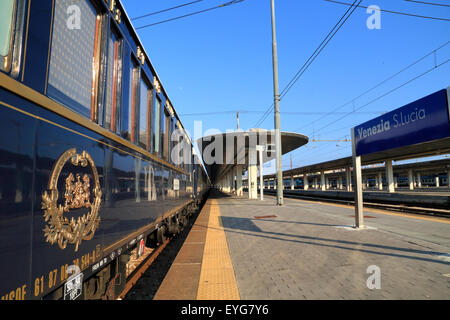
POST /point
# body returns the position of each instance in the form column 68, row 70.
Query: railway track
column 142, row 267
column 428, row 211
column 149, row 270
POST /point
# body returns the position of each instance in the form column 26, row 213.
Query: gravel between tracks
column 148, row 284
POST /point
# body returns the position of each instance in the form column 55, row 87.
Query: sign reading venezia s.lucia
column 423, row 120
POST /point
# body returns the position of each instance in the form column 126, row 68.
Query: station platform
column 432, row 200
column 254, row 250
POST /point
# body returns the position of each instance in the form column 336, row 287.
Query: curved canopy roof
column 221, row 152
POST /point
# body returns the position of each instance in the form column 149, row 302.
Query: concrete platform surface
column 308, row 250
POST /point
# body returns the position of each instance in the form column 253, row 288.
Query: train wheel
column 152, row 240
column 173, row 225
column 182, row 222
column 161, row 234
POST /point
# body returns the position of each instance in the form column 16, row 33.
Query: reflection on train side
column 150, row 186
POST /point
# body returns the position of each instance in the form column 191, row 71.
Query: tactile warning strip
column 217, row 279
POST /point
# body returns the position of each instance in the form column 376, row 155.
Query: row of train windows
column 88, row 73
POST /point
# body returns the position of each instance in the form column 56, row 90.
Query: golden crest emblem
column 77, row 195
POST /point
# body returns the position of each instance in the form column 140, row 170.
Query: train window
column 134, row 96
column 171, row 142
column 74, row 58
column 6, row 22
column 12, row 14
column 176, row 145
column 144, row 114
column 165, row 134
column 185, row 154
column 156, row 125
column 183, row 149
column 163, row 130
column 113, row 83
column 7, row 13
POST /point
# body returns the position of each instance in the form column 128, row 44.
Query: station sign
column 424, row 120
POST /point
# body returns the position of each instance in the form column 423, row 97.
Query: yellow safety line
column 217, row 279
column 405, row 215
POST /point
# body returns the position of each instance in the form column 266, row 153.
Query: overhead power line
column 165, row 10
column 226, row 4
column 311, row 59
column 378, row 84
column 260, row 111
column 319, row 49
column 430, row 3
column 383, row 95
column 395, row 12
column 387, row 93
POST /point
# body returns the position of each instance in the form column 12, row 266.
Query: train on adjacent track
column 89, row 165
column 402, row 181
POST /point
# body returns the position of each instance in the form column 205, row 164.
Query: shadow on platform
column 247, row 226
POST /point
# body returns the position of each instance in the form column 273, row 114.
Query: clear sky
column 221, row 61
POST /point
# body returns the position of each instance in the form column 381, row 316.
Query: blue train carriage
column 85, row 166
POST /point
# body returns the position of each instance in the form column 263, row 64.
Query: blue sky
column 221, row 61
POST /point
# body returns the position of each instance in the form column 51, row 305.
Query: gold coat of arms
column 77, row 194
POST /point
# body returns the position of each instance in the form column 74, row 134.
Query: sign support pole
column 357, row 176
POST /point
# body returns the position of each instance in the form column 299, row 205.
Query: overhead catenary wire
column 324, row 151
column 377, row 98
column 429, row 3
column 394, row 12
column 300, row 71
column 313, row 56
column 374, row 100
column 226, row 4
column 165, row 10
column 306, row 113
column 386, row 93
column 378, row 84
column 311, row 59
column 317, row 49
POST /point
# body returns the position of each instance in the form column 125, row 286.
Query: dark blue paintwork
column 38, row 44
column 29, row 148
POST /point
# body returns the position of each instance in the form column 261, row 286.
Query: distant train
column 426, row 181
column 87, row 175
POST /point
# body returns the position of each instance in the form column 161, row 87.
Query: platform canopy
column 222, row 152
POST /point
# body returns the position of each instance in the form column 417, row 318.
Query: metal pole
column 277, row 111
column 261, row 176
column 359, row 213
